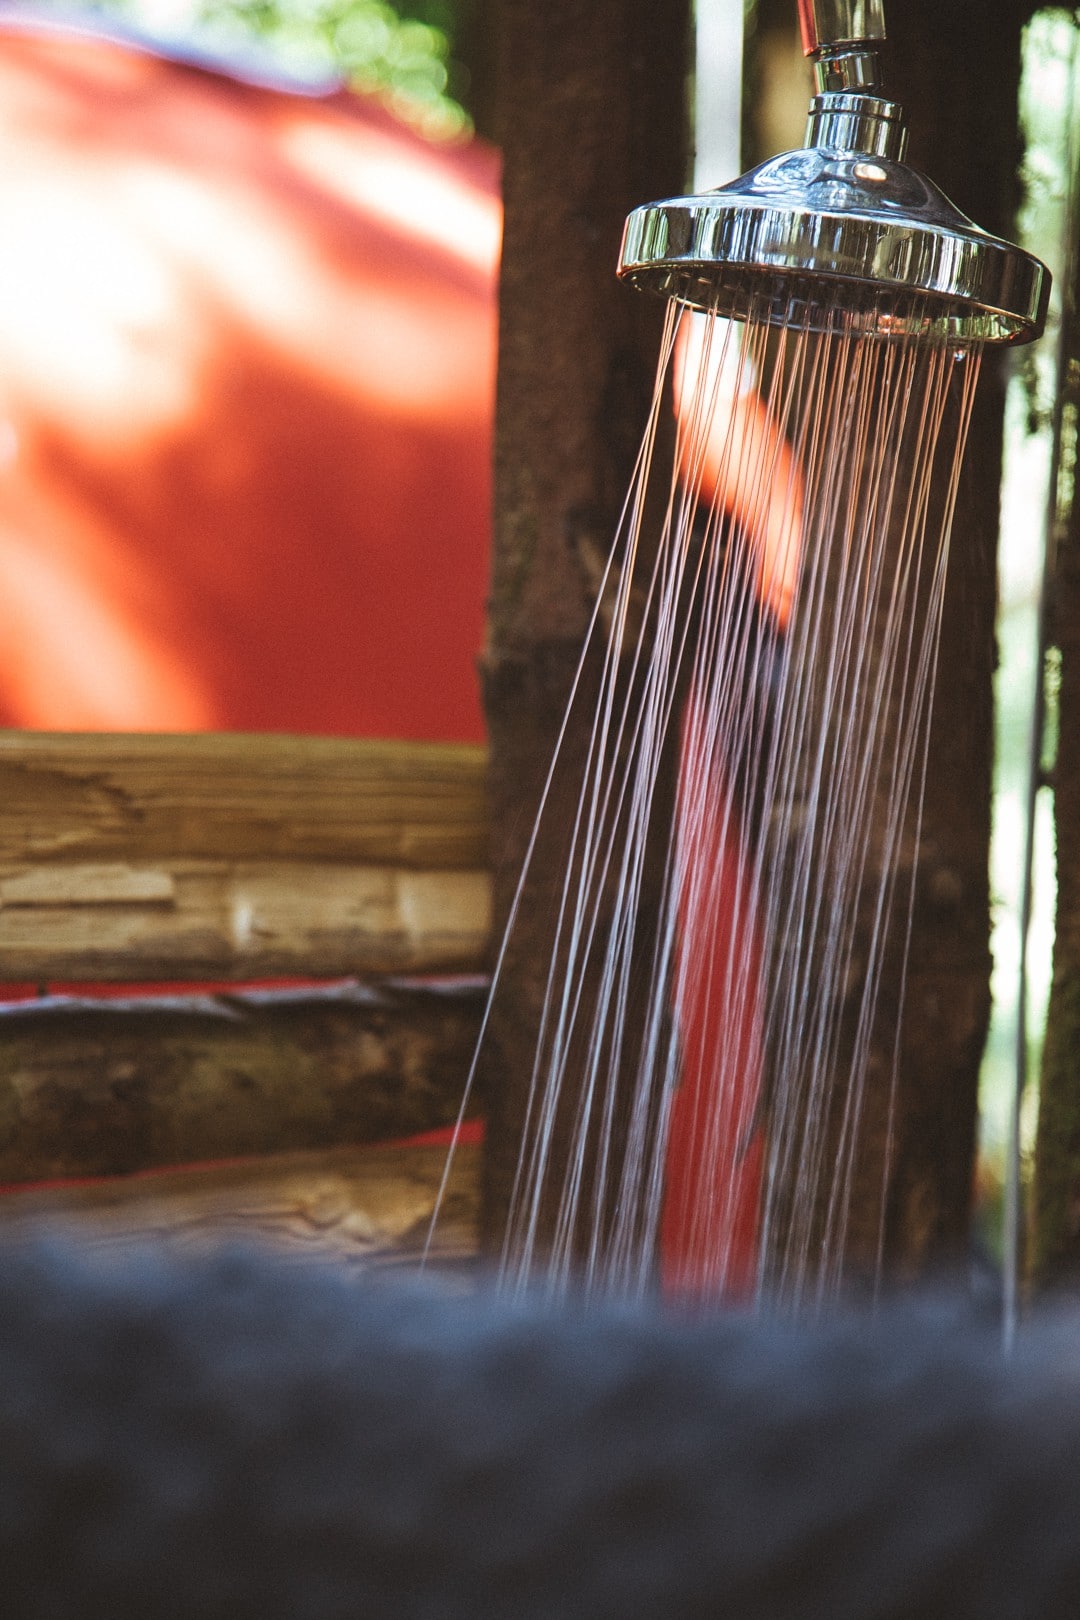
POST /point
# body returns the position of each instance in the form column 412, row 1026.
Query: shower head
column 841, row 227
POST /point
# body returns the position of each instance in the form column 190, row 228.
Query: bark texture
column 592, row 121
column 100, row 1088
column 572, row 134
column 1056, row 1234
column 959, row 82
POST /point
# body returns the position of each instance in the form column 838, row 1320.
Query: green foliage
column 404, row 59
column 401, row 53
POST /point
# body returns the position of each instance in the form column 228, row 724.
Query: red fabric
column 709, row 1228
column 247, row 344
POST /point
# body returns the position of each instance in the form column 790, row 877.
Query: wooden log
column 93, row 797
column 92, row 1088
column 159, row 857
column 369, row 1207
column 191, row 919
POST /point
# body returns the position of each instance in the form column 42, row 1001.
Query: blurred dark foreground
column 236, row 1435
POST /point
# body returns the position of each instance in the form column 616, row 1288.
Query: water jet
column 702, row 1059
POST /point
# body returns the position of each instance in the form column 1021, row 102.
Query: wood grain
column 368, row 1206
column 93, row 797
column 190, row 919
column 221, row 857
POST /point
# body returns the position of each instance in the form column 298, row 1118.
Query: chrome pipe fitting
column 840, row 36
column 858, row 123
column 829, row 25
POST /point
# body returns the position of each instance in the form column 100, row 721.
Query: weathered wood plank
column 85, row 885
column 366, row 1206
column 95, row 797
column 107, row 1088
column 234, row 920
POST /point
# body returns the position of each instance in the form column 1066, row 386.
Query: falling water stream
column 697, row 1101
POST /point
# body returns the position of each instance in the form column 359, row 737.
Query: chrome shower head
column 842, row 227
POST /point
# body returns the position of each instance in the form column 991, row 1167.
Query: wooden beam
column 161, row 857
column 96, row 797
column 93, row 1088
column 194, row 919
column 370, row 1207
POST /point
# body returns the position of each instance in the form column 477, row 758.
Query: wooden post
column 959, row 80
column 592, row 121
column 1056, row 1212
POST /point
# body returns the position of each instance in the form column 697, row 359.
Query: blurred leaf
column 401, row 53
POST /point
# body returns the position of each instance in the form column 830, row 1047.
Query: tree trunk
column 575, row 144
column 1056, row 1233
column 959, row 82
column 592, row 121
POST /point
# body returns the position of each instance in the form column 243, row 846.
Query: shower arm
column 841, row 36
column 850, row 112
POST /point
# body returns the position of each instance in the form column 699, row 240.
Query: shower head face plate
column 819, row 235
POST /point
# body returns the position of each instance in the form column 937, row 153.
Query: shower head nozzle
column 841, row 229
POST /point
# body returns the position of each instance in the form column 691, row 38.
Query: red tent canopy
column 247, row 352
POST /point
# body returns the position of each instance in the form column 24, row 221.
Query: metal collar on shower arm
column 850, row 112
column 841, row 229
column 842, row 36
